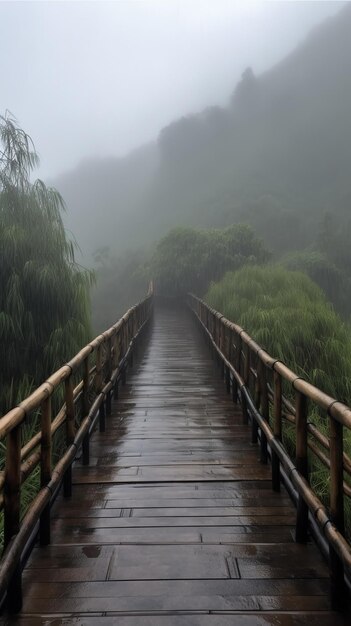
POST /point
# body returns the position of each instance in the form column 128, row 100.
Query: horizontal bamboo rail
column 86, row 390
column 257, row 380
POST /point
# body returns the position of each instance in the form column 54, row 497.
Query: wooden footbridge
column 187, row 505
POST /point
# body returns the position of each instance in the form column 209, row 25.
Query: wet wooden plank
column 174, row 522
column 199, row 618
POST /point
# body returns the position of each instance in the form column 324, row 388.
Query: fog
column 93, row 79
column 209, row 116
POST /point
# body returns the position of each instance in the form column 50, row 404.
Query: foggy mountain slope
column 280, row 150
column 102, row 196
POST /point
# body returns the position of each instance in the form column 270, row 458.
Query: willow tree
column 44, row 295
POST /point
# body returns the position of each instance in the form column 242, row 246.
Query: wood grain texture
column 175, row 522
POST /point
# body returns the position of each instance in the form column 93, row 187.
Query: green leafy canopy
column 44, row 299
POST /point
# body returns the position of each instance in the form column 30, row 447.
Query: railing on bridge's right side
column 263, row 386
column 69, row 403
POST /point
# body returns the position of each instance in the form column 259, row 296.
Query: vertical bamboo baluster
column 85, row 411
column 114, row 352
column 222, row 347
column 12, row 506
column 85, row 393
column 257, row 401
column 230, row 344
column 98, row 370
column 119, row 356
column 45, row 467
column 244, row 364
column 247, row 364
column 301, row 464
column 135, row 331
column 216, row 337
column 264, row 404
column 234, row 361
column 227, row 336
column 237, row 358
column 212, row 330
column 70, row 432
column 98, row 387
column 218, row 343
column 277, row 428
column 116, row 359
column 108, row 374
column 338, row 589
column 124, row 350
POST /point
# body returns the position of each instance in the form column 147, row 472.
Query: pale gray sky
column 100, row 78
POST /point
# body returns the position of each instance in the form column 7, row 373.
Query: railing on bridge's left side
column 272, row 396
column 66, row 409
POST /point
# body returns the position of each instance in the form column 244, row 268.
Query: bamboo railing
column 85, row 385
column 271, row 394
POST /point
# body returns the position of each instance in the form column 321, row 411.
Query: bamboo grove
column 44, row 300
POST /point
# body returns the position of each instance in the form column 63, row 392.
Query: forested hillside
column 276, row 157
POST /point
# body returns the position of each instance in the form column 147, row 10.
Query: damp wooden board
column 175, row 522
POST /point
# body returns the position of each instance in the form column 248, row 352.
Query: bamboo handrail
column 92, row 393
column 246, row 364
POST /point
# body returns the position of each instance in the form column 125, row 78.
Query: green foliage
column 334, row 281
column 44, row 300
column 290, row 317
column 188, row 259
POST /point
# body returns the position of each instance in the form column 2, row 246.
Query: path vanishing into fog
column 174, row 521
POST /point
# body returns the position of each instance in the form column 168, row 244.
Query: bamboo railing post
column 257, row 402
column 135, row 343
column 220, row 345
column 337, row 581
column 108, row 374
column 116, row 359
column 98, row 388
column 45, row 468
column 227, row 336
column 213, row 334
column 223, row 346
column 70, row 432
column 277, row 428
column 98, row 370
column 220, row 364
column 124, row 350
column 85, row 411
column 237, row 356
column 12, row 506
column 301, row 465
column 119, row 356
column 244, row 364
column 264, row 403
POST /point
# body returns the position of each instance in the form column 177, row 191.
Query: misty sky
column 100, row 78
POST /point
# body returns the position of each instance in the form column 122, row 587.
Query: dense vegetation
column 291, row 318
column 44, row 299
column 188, row 259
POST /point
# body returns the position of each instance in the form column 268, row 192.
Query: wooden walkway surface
column 174, row 521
